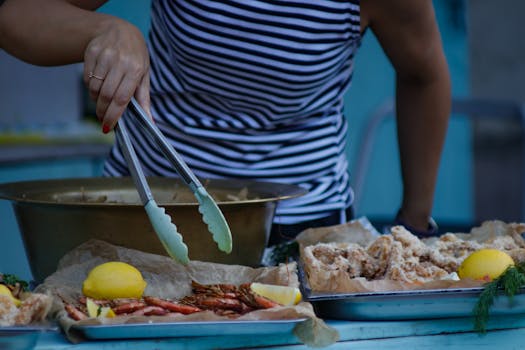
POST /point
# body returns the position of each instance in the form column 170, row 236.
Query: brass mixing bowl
column 55, row 216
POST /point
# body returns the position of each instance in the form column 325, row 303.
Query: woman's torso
column 254, row 89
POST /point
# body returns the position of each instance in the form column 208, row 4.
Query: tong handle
column 180, row 165
column 166, row 231
column 211, row 214
column 133, row 163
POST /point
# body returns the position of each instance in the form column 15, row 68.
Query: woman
column 253, row 89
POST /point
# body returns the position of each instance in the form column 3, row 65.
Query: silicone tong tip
column 215, row 220
column 167, row 232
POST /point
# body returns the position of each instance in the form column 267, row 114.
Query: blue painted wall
column 136, row 12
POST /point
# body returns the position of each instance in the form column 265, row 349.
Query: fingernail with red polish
column 105, row 129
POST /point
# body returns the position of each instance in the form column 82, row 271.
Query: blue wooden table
column 504, row 332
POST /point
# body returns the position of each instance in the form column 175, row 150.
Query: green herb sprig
column 12, row 280
column 510, row 282
column 282, row 253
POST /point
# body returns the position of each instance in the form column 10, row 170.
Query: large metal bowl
column 55, row 216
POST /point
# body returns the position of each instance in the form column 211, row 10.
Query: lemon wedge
column 280, row 294
column 106, row 311
column 92, row 308
column 6, row 291
column 95, row 310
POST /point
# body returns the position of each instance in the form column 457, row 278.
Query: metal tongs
column 161, row 222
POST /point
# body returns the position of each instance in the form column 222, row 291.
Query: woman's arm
column 58, row 32
column 409, row 35
column 54, row 32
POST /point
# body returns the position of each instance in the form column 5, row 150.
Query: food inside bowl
column 177, row 194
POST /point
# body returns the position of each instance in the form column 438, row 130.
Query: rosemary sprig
column 510, row 282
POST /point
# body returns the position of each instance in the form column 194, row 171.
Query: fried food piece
column 449, row 251
column 409, row 260
column 380, row 251
column 33, row 309
column 348, row 257
column 518, row 255
column 8, row 311
column 411, row 245
column 504, row 243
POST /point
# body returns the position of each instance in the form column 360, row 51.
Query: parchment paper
column 359, row 231
column 167, row 279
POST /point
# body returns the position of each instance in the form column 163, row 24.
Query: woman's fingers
column 107, row 91
column 95, row 69
column 116, row 103
column 89, row 66
column 115, row 66
column 142, row 95
column 96, row 81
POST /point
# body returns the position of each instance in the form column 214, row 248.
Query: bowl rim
column 24, row 191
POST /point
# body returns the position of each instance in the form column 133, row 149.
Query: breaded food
column 34, row 308
column 403, row 257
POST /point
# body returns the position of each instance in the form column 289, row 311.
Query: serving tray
column 23, row 337
column 405, row 305
column 186, row 329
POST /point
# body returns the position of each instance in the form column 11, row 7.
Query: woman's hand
column 116, row 61
column 116, row 67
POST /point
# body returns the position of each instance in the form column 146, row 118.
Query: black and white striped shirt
column 254, row 90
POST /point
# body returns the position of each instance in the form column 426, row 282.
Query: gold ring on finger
column 91, row 75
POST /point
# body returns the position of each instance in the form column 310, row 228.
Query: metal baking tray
column 186, row 329
column 405, row 305
column 23, row 337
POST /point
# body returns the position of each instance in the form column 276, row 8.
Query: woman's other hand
column 116, row 67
